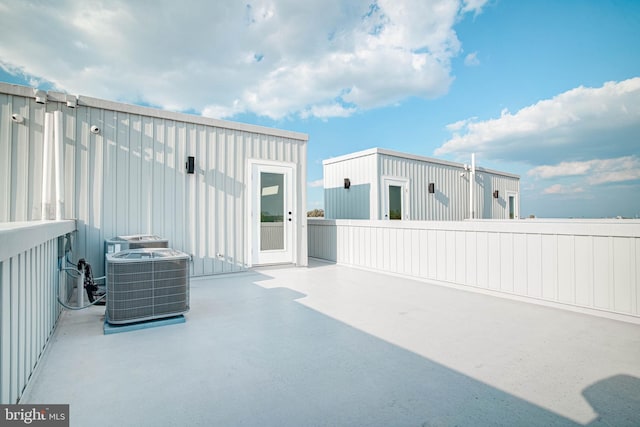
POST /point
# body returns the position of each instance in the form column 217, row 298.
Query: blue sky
column 549, row 90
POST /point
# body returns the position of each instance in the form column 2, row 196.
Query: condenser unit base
column 110, row 328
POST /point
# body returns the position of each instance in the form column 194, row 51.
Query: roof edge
column 402, row 155
column 87, row 101
column 350, row 156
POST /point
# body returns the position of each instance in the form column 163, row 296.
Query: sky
column 546, row 89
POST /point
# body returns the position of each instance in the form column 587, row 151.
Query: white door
column 396, row 198
column 272, row 214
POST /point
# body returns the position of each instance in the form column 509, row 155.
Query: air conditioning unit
column 136, row 241
column 145, row 284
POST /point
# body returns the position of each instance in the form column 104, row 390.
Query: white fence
column 29, row 276
column 583, row 263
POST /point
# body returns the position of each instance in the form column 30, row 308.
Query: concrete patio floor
column 336, row 346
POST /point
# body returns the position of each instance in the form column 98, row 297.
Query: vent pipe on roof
column 472, row 181
column 46, row 199
column 58, row 162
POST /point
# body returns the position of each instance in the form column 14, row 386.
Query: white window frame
column 403, row 183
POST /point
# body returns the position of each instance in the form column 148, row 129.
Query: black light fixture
column 432, row 187
column 347, row 183
column 191, row 164
column 496, row 194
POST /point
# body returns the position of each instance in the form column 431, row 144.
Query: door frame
column 396, row 181
column 253, row 217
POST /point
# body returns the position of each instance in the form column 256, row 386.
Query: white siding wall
column 487, row 206
column 451, row 198
column 29, row 310
column 590, row 264
column 131, row 178
column 449, row 202
column 342, row 203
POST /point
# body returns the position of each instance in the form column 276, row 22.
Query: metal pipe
column 80, row 289
column 472, row 181
column 45, row 166
column 58, row 162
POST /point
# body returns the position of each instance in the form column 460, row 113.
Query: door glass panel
column 271, row 211
column 512, row 207
column 395, row 202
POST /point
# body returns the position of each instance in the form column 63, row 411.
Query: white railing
column 29, row 276
column 591, row 264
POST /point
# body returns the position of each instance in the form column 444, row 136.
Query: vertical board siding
column 130, row 178
column 449, row 202
column 29, row 311
column 356, row 202
column 592, row 264
column 6, row 128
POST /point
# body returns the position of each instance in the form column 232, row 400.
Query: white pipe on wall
column 58, row 162
column 472, row 181
column 46, row 200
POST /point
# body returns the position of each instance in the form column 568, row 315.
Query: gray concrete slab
column 336, row 346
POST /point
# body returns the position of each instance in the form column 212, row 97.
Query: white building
column 121, row 169
column 385, row 184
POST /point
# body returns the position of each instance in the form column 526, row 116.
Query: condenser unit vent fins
column 145, row 284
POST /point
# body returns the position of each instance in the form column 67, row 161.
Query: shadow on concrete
column 252, row 355
column 616, row 400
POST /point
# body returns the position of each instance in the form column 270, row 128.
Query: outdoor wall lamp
column 40, row 95
column 432, row 187
column 17, row 118
column 347, row 183
column 191, row 164
column 496, row 194
column 95, row 129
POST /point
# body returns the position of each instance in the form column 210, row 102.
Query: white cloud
column 563, row 189
column 457, row 126
column 316, row 183
column 270, row 57
column 471, row 59
column 473, row 6
column 562, row 169
column 598, row 171
column 326, row 111
column 580, row 123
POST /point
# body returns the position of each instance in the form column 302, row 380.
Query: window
column 512, row 205
column 395, row 202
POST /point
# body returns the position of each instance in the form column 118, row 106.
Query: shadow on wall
column 323, row 242
column 487, row 196
column 158, row 195
column 502, row 202
column 442, row 198
column 216, row 179
column 351, row 203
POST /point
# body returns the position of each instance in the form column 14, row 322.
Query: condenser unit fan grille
column 146, row 288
